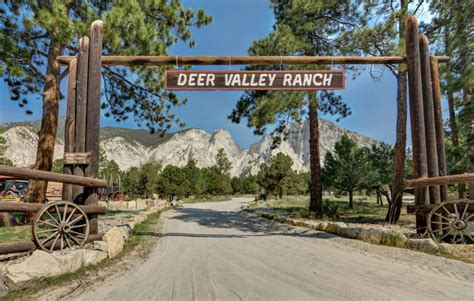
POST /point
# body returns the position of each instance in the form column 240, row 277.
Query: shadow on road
column 250, row 226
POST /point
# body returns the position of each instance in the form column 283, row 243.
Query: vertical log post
column 398, row 184
column 81, row 109
column 69, row 129
column 416, row 116
column 93, row 115
column 429, row 118
column 438, row 111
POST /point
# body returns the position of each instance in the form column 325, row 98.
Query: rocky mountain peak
column 133, row 147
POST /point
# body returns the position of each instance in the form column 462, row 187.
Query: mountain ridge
column 132, row 147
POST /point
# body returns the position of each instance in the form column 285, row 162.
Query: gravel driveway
column 214, row 251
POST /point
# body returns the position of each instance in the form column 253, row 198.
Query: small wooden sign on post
column 255, row 80
column 77, row 158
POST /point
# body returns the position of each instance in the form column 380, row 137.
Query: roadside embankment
column 389, row 235
column 117, row 227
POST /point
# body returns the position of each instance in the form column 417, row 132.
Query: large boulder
column 121, row 205
column 322, row 226
column 132, row 204
column 373, row 235
column 115, row 241
column 42, row 264
column 90, row 257
column 335, row 227
column 39, row 265
column 426, row 245
column 395, row 238
column 350, row 232
column 100, row 245
column 141, row 204
column 71, row 261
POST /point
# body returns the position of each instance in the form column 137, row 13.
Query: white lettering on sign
column 296, row 80
column 272, row 78
column 210, row 80
column 327, row 79
column 257, row 80
column 287, row 80
column 314, row 79
column 182, row 79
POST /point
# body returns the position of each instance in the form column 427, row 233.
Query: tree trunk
column 396, row 203
column 468, row 110
column 470, row 138
column 452, row 111
column 49, row 124
column 316, row 191
column 400, row 146
column 351, row 200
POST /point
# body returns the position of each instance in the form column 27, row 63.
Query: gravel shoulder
column 215, row 251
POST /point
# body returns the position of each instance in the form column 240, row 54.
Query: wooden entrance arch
column 83, row 124
column 429, row 163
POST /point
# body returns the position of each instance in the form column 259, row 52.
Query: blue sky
column 236, row 24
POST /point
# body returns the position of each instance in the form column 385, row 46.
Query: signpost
column 255, row 80
column 77, row 158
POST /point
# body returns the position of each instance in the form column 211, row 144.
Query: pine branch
column 419, row 5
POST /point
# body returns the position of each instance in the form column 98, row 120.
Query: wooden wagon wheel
column 60, row 225
column 452, row 221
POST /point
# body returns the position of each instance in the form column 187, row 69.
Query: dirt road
column 214, row 251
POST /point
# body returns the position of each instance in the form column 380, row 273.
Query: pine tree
column 302, row 28
column 34, row 33
column 451, row 28
column 348, row 167
column 276, row 176
column 381, row 157
column 384, row 35
column 223, row 165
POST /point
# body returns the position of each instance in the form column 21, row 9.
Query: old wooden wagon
column 451, row 220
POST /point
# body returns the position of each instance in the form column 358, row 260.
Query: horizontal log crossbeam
column 28, row 246
column 444, row 180
column 246, row 60
column 33, row 174
column 35, row 207
column 425, row 209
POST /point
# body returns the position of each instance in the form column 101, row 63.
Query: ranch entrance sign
column 254, row 80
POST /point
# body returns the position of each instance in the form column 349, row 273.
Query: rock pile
column 376, row 234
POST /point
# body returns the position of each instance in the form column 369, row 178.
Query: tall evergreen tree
column 384, row 35
column 276, row 176
column 451, row 32
column 380, row 157
column 348, row 168
column 302, row 28
column 34, row 33
column 223, row 165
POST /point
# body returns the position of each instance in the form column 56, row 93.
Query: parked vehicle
column 13, row 188
column 111, row 193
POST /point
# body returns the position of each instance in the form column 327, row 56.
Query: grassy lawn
column 365, row 210
column 14, row 234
